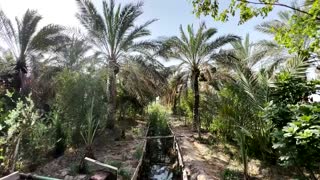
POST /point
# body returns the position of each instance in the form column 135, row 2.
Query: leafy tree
column 298, row 141
column 114, row 34
column 74, row 91
column 18, row 126
column 290, row 87
column 194, row 51
column 25, row 42
column 247, row 9
column 306, row 23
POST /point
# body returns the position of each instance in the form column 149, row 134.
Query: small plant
column 60, row 136
column 138, row 153
column 229, row 174
column 75, row 169
column 117, row 164
column 240, row 136
column 125, row 173
column 88, row 134
column 136, row 131
column 1, row 158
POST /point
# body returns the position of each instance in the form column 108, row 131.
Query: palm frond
column 222, row 40
column 26, row 29
column 49, row 36
column 8, row 34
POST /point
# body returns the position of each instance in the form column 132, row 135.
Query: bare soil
column 108, row 148
column 208, row 162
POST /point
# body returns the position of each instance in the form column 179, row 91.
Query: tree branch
column 279, row 4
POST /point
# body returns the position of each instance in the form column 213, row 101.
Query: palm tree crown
column 114, row 35
column 114, row 32
column 24, row 42
column 195, row 52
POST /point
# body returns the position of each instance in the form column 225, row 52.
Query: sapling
column 240, row 136
column 88, row 134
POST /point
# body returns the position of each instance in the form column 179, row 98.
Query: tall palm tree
column 194, row 51
column 25, row 42
column 114, row 34
column 142, row 79
column 246, row 56
column 74, row 55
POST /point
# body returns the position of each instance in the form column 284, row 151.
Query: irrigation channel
column 160, row 159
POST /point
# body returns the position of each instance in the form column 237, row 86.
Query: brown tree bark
column 196, row 119
column 112, row 93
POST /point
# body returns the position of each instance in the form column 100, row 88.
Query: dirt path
column 198, row 158
column 210, row 162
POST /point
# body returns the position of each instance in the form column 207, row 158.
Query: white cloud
column 53, row 11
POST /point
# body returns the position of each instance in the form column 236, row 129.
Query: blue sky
column 171, row 13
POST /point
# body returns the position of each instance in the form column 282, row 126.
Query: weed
column 125, row 173
column 115, row 163
column 138, row 153
column 229, row 174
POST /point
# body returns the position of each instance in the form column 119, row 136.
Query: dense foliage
column 60, row 89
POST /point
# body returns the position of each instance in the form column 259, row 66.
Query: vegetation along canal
column 160, row 160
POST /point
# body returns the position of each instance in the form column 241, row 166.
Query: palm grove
column 251, row 93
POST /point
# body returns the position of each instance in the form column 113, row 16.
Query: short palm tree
column 194, row 51
column 114, row 34
column 25, row 42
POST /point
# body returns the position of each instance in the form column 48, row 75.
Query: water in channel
column 160, row 161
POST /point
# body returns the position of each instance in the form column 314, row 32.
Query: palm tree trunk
column 112, row 93
column 196, row 120
column 174, row 108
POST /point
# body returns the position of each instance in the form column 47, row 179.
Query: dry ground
column 122, row 153
column 208, row 162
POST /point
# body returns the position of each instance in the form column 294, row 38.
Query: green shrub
column 125, row 173
column 299, row 141
column 23, row 128
column 60, row 134
column 158, row 118
column 117, row 164
column 289, row 89
column 229, row 174
column 138, row 152
column 75, row 91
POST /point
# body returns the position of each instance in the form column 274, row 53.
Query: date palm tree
column 194, row 51
column 75, row 55
column 25, row 42
column 114, row 34
column 143, row 78
column 247, row 56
